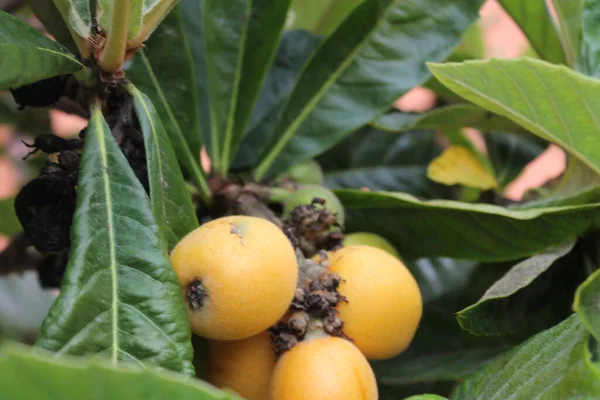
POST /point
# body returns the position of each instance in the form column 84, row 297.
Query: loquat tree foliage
column 337, row 247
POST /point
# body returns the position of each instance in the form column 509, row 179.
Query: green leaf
column 439, row 276
column 30, row 375
column 554, row 364
column 535, row 21
column 169, row 196
column 374, row 56
column 192, row 17
column 587, row 304
column 461, row 230
column 533, row 295
column 568, row 13
column 165, row 73
column 588, row 61
column 264, row 30
column 294, row 50
column 320, row 17
column 49, row 15
column 78, row 14
column 380, row 161
column 510, row 154
column 225, row 27
column 450, row 117
column 9, row 225
column 426, row 397
column 577, row 178
column 550, row 101
column 27, row 55
column 120, row 297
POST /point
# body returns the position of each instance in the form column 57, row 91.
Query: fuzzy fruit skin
column 245, row 366
column 327, row 368
column 370, row 239
column 248, row 270
column 384, row 305
column 305, row 195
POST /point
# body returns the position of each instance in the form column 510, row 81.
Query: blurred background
column 23, row 304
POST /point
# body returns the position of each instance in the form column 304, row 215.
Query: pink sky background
column 502, row 39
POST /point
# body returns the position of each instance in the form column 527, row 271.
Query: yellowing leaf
column 458, row 165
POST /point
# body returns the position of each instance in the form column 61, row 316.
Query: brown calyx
column 316, row 298
column 311, row 226
column 196, row 293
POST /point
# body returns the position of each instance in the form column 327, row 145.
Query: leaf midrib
column 99, row 128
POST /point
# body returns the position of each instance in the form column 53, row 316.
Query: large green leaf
column 192, row 14
column 588, row 61
column 32, row 375
column 535, row 21
column 165, row 73
column 295, row 48
column 461, row 230
column 169, row 195
column 426, row 397
column 554, row 364
column 553, row 102
column 380, row 161
column 534, row 295
column 27, row 55
column 120, row 297
column 568, row 13
column 265, row 26
column 439, row 276
column 450, row 117
column 510, row 154
column 225, row 26
column 49, row 15
column 376, row 55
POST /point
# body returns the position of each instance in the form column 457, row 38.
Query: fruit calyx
column 313, row 310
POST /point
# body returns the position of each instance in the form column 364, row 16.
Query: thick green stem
column 113, row 53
